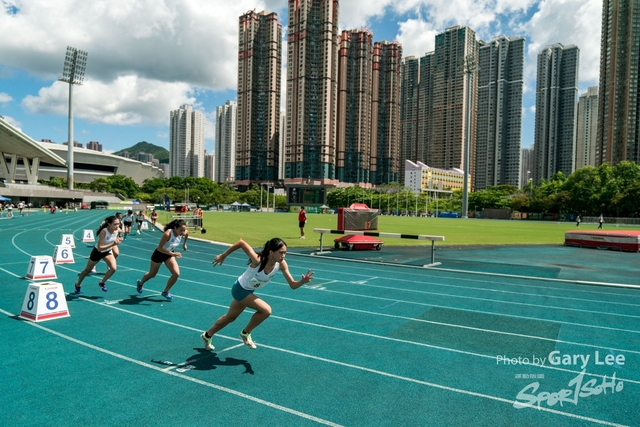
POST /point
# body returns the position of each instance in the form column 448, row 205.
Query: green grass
column 256, row 228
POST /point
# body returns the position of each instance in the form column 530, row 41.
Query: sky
column 149, row 57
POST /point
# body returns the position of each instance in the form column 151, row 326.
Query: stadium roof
column 13, row 141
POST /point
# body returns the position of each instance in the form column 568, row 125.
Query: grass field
column 258, row 227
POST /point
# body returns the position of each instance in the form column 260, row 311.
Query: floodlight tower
column 469, row 70
column 75, row 63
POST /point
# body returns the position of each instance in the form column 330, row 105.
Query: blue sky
column 148, row 57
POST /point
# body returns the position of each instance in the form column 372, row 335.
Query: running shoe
column 138, row 232
column 247, row 340
column 207, row 342
column 167, row 295
column 139, row 286
column 103, row 287
column 77, row 290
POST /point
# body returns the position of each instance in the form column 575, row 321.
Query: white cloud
column 125, row 101
column 568, row 22
column 4, row 98
column 164, row 40
column 417, row 37
column 13, row 122
column 354, row 14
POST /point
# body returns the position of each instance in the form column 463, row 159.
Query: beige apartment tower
column 385, row 113
column 258, row 106
column 312, row 84
column 587, row 128
column 186, row 143
column 353, row 127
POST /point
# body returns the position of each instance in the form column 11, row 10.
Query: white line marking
column 229, row 348
column 184, row 377
column 492, row 357
column 321, row 359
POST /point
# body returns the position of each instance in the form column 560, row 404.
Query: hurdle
column 190, row 220
column 433, row 239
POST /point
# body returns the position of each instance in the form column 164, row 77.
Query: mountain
column 160, row 153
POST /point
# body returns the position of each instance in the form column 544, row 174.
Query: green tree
column 55, row 181
column 99, row 185
column 123, row 185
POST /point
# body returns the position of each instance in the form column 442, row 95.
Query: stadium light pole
column 469, row 69
column 75, row 63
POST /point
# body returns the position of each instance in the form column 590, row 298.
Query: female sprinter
column 128, row 222
column 262, row 268
column 108, row 241
column 171, row 238
column 139, row 220
column 154, row 218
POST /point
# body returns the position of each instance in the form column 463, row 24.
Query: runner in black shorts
column 127, row 221
column 107, row 241
column 139, row 221
column 164, row 253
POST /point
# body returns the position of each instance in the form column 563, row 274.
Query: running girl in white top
column 108, row 240
column 262, row 268
column 139, row 220
column 173, row 235
column 128, row 222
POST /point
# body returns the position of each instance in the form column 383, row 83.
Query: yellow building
column 421, row 178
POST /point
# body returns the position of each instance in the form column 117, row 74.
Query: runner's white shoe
column 248, row 341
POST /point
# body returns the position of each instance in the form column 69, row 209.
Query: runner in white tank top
column 108, row 242
column 173, row 235
column 262, row 268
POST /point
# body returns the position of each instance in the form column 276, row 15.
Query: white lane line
column 420, row 272
column 485, row 300
column 444, row 295
column 179, row 375
column 409, row 319
column 322, row 359
column 435, row 347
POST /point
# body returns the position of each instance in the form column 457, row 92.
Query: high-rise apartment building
column 416, row 107
column 587, row 128
column 450, row 96
column 225, row 142
column 385, row 113
column 556, row 106
column 209, row 165
column 353, row 128
column 258, row 120
column 312, row 66
column 409, row 90
column 526, row 166
column 618, row 135
column 499, row 120
column 94, row 145
column 283, row 121
column 186, row 142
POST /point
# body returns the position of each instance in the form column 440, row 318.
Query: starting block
column 67, row 240
column 44, row 301
column 63, row 255
column 87, row 236
column 41, row 268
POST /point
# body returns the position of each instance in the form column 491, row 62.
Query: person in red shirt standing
column 302, row 220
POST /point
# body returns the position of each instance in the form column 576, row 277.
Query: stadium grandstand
column 24, row 161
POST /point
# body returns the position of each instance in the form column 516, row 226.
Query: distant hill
column 160, row 153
